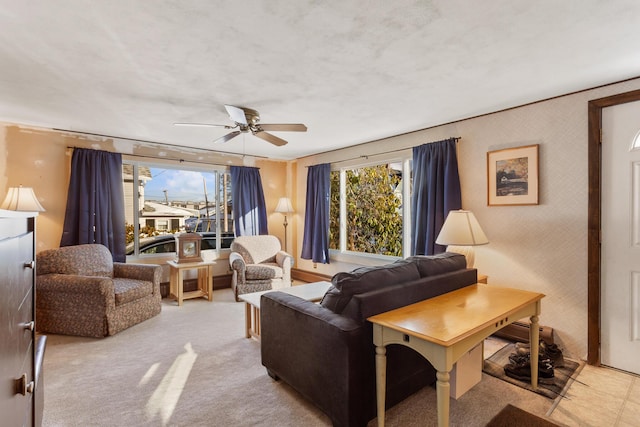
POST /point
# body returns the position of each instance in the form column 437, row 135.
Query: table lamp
column 461, row 232
column 284, row 207
column 21, row 199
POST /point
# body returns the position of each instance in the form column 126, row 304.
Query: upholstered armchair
column 258, row 264
column 81, row 291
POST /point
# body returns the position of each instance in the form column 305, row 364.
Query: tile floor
column 600, row 396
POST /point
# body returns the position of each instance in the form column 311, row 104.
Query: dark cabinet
column 21, row 354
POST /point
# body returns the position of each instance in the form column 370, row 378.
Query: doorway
column 620, row 238
column 595, row 109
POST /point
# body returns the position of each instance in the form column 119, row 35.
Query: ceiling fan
column 248, row 120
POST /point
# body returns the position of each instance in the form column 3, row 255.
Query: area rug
column 511, row 416
column 494, row 366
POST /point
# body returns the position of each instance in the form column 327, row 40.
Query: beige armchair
column 81, row 291
column 258, row 264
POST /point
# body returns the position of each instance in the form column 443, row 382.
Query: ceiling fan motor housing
column 253, row 117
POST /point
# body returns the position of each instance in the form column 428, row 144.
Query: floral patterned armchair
column 259, row 264
column 81, row 291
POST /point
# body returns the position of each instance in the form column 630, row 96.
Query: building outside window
column 161, row 200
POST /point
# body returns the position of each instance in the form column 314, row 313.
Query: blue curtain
column 249, row 210
column 95, row 202
column 315, row 243
column 436, row 191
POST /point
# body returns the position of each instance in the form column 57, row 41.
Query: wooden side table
column 205, row 280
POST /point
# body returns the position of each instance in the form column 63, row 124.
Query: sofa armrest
column 238, row 265
column 284, row 260
column 316, row 351
column 148, row 272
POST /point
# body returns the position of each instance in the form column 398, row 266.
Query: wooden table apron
column 443, row 354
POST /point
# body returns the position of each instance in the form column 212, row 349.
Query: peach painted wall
column 40, row 158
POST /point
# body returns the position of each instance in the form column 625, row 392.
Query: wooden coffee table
column 444, row 328
column 309, row 291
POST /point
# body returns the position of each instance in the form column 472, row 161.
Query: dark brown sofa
column 325, row 351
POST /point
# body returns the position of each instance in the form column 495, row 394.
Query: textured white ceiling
column 352, row 71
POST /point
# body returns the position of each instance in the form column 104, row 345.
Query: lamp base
column 467, row 251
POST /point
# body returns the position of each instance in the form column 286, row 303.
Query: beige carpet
column 192, row 366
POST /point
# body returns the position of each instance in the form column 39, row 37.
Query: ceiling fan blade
column 284, row 127
column 227, row 137
column 270, row 138
column 209, row 125
column 236, row 114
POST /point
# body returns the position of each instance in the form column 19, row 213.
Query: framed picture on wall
column 512, row 176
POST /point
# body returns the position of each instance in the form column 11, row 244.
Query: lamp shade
column 284, row 205
column 22, row 199
column 461, row 228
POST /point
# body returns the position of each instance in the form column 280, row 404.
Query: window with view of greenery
column 373, row 209
column 161, row 201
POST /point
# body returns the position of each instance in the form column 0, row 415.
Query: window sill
column 361, row 258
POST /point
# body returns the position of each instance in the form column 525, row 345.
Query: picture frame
column 512, row 176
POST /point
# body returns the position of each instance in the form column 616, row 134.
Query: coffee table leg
column 256, row 321
column 381, row 381
column 443, row 389
column 247, row 319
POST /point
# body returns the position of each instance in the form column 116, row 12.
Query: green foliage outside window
column 374, row 210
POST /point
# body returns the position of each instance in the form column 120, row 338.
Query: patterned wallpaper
column 543, row 247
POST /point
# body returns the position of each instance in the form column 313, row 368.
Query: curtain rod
column 366, row 156
column 166, row 158
column 154, row 142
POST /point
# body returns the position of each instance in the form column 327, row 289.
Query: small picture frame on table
column 188, row 247
column 512, row 176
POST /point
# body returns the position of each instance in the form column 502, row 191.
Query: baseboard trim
column 309, row 276
column 519, row 331
column 219, row 282
column 224, row 281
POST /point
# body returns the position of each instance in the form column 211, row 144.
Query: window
column 161, row 201
column 367, row 212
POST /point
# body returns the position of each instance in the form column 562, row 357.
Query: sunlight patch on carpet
column 149, row 374
column 166, row 396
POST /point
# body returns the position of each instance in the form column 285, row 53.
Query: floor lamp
column 284, row 207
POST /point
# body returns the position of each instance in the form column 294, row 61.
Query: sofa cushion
column 432, row 265
column 263, row 271
column 365, row 279
column 128, row 290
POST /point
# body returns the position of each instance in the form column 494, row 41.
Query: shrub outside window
column 366, row 210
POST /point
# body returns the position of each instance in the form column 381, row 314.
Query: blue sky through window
column 182, row 185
